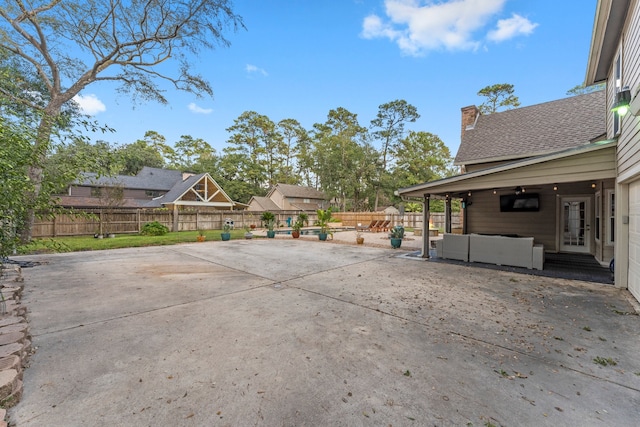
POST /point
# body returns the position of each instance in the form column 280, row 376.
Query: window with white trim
column 611, row 217
column 618, row 88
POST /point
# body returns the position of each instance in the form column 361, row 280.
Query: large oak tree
column 71, row 44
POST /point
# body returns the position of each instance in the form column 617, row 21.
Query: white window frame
column 611, row 217
column 617, row 75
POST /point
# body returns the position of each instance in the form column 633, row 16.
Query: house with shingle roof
column 545, row 171
column 261, row 203
column 150, row 188
column 614, row 59
column 491, row 139
column 287, row 197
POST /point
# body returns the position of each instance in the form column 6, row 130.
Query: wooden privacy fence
column 122, row 221
column 412, row 219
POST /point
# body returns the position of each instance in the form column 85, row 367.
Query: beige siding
column 629, row 140
column 484, row 216
column 279, row 200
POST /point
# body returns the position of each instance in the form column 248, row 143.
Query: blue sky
column 301, row 58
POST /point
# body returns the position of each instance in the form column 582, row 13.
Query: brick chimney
column 469, row 116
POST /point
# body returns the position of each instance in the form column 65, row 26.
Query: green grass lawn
column 89, row 243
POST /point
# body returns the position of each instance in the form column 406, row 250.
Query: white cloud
column 252, row 69
column 89, row 104
column 512, row 27
column 418, row 26
column 199, row 110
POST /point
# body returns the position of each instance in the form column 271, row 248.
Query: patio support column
column 447, row 215
column 425, row 227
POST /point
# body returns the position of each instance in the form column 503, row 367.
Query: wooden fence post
column 175, row 218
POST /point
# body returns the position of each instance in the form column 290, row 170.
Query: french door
column 575, row 234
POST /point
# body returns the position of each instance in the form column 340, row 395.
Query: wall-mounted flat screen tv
column 519, row 203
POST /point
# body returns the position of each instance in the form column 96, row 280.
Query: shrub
column 267, row 216
column 397, row 232
column 154, row 229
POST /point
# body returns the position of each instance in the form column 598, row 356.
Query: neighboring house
column 614, row 58
column 150, row 188
column 287, row 197
column 260, row 203
column 545, row 171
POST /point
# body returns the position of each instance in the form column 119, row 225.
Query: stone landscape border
column 15, row 339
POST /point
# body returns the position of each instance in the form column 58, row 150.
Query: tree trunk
column 35, row 171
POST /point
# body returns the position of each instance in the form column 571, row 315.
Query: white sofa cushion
column 455, row 246
column 501, row 250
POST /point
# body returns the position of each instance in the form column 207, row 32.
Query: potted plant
column 247, row 232
column 269, row 221
column 226, row 232
column 324, row 217
column 396, row 234
column 359, row 238
column 271, row 233
column 200, row 237
column 266, row 217
column 303, row 219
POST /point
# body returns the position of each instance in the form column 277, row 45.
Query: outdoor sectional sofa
column 492, row 249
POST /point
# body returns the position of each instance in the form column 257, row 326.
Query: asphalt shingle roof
column 266, row 203
column 534, row 130
column 147, row 179
column 298, row 191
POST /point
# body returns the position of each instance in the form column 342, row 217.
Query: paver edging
column 15, row 339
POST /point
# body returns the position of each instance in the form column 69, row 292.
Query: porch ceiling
column 589, row 162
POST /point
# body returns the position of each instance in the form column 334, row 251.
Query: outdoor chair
column 370, row 227
column 383, row 225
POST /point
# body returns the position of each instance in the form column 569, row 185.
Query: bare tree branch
column 72, row 43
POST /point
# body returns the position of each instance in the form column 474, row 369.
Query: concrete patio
column 300, row 332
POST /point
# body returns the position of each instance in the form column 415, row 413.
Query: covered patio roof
column 593, row 161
